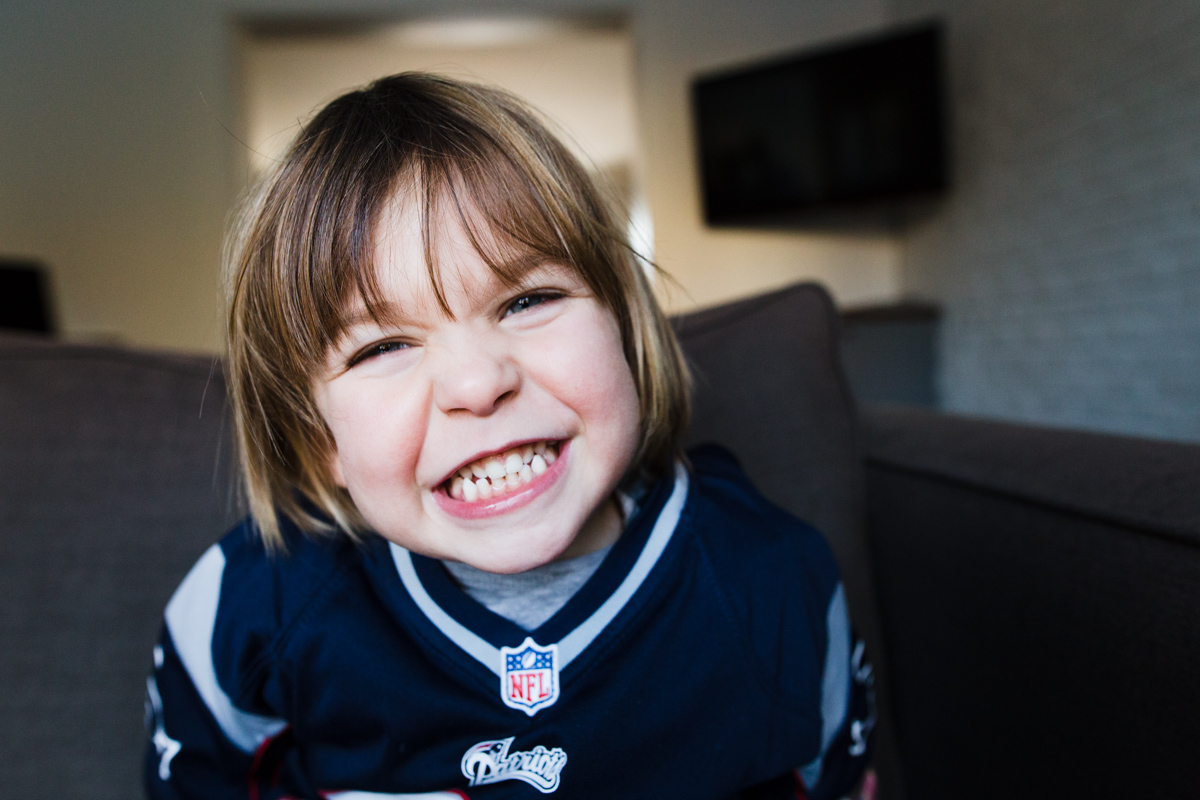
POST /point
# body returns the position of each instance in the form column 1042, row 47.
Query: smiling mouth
column 501, row 473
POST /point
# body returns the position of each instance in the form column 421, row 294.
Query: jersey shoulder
column 240, row 602
column 287, row 579
column 776, row 572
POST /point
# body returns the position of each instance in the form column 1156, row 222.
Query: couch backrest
column 111, row 485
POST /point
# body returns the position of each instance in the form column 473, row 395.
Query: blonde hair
column 302, row 251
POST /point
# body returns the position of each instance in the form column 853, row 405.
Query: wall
column 116, row 168
column 1068, row 256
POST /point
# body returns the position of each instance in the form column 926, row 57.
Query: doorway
column 579, row 73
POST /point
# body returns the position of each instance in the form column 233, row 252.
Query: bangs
column 509, row 226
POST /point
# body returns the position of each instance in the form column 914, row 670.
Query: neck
column 601, row 530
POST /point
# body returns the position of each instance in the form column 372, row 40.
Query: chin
column 520, row 559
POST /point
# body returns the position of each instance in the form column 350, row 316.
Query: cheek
column 613, row 427
column 596, row 380
column 611, row 389
column 375, row 437
column 626, row 411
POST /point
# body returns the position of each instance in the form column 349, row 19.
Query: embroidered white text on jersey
column 529, row 676
column 490, row 762
column 166, row 747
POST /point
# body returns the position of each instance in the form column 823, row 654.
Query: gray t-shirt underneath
column 527, row 598
column 532, row 597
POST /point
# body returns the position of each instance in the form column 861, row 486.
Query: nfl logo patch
column 529, row 676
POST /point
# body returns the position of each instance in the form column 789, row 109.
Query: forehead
column 431, row 258
column 414, row 242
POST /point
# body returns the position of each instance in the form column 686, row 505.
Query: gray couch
column 1030, row 599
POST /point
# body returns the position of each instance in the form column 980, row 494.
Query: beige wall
column 116, row 168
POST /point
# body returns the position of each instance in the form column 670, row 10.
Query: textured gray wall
column 1067, row 257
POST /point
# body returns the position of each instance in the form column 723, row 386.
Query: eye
column 377, row 349
column 528, row 301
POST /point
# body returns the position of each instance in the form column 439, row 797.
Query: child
column 476, row 564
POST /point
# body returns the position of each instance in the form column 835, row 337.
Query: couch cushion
column 114, row 480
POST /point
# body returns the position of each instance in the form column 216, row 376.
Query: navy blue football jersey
column 709, row 656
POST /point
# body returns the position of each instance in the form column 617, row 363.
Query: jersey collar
column 477, row 632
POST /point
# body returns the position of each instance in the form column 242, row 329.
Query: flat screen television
column 845, row 131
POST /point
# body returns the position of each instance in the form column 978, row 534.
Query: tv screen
column 847, row 128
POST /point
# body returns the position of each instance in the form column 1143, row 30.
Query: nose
column 474, row 375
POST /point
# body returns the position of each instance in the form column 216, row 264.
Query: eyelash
column 537, row 297
column 377, row 349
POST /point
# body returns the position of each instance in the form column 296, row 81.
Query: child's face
column 416, row 400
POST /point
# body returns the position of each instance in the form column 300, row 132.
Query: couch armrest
column 1040, row 598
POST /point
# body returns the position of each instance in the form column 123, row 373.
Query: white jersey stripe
column 577, row 641
column 191, row 616
column 475, row 646
column 835, row 682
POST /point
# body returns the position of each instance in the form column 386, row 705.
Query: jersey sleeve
column 847, row 710
column 202, row 743
column 785, row 588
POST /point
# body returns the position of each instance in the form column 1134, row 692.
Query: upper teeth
column 497, row 474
